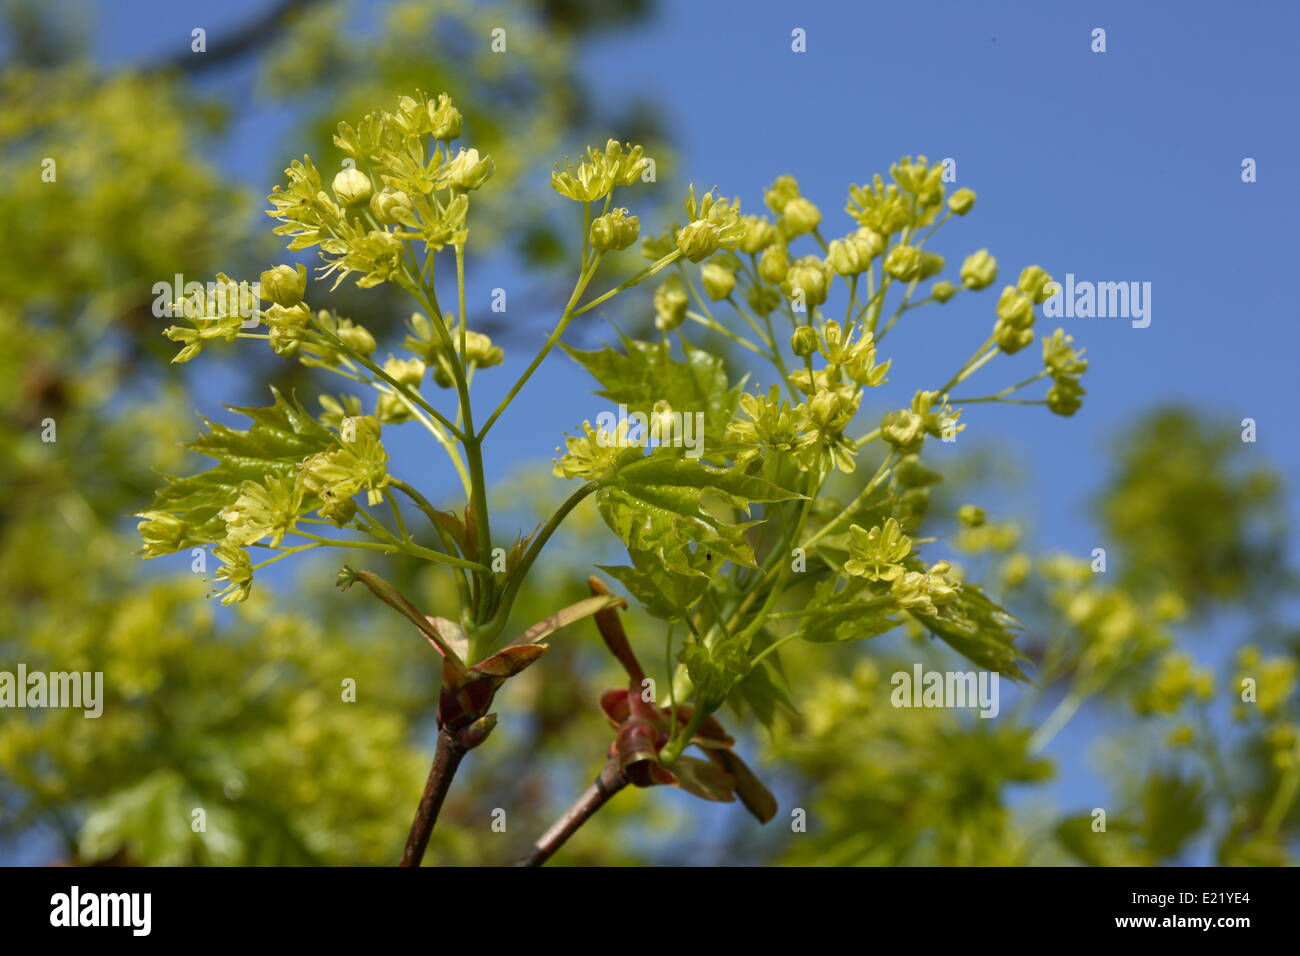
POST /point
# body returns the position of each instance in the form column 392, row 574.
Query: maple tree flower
column 670, row 302
column 809, row 276
column 962, row 201
column 799, row 217
column 713, row 224
column 1035, row 282
column 924, row 592
column 979, row 271
column 903, row 262
column 718, row 280
column 351, row 466
column 236, row 569
column 468, row 171
column 265, row 509
column 597, row 451
column 614, row 231
column 351, row 187
column 878, row 554
column 163, row 533
column 284, row 285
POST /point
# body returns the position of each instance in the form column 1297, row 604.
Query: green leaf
column 979, row 630
column 663, row 592
column 281, row 436
column 714, row 671
column 853, row 614
column 646, row 372
column 657, row 505
column 704, row 779
column 762, row 691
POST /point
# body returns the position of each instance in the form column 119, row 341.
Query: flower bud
column 777, row 195
column 288, row 316
column 467, row 171
column 903, row 262
column 1010, row 338
column 479, row 350
column 1065, row 397
column 800, row 216
column 773, row 265
column 352, row 186
column 903, row 429
column 1015, row 308
column 873, row 240
column 444, row 118
column 979, row 270
column 962, row 201
column 763, row 299
column 931, row 265
column 971, row 516
column 162, row 533
column 759, row 234
column 942, row 291
column 698, row 240
column 391, row 206
column 391, row 410
column 803, row 341
column 849, row 257
column 284, row 285
column 405, row 371
column 614, row 231
column 284, row 340
column 339, row 510
column 670, row 304
column 811, row 276
column 718, row 281
column 1034, row 281
column 355, row 337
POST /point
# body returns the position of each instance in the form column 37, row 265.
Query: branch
column 445, row 761
column 609, row 782
column 237, row 43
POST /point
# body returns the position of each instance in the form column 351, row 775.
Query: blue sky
column 1115, row 166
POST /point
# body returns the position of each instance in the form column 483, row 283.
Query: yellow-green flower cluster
column 596, row 452
column 913, row 200
column 357, row 462
column 215, row 311
column 266, row 509
column 775, row 427
column 878, row 554
column 712, row 224
column 924, row 592
column 905, row 429
column 394, row 178
column 592, row 179
column 1064, row 364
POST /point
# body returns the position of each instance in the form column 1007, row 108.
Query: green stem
column 520, row 571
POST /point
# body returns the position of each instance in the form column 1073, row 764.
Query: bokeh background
column 1115, row 166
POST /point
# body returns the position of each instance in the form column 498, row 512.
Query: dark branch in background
column 610, row 782
column 233, row 45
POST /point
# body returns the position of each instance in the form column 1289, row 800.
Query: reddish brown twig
column 445, row 761
column 609, row 782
